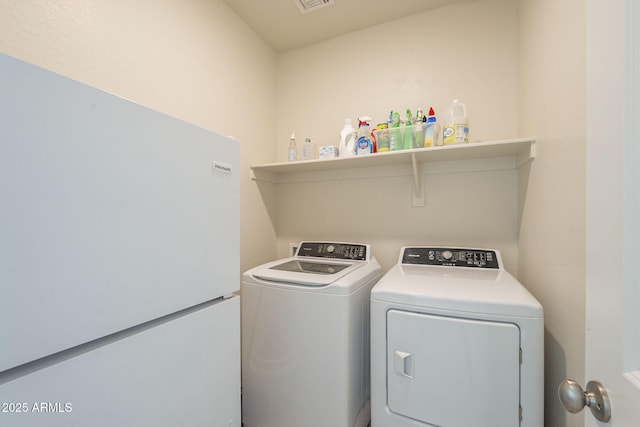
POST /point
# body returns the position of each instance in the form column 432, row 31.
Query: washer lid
column 306, row 271
column 456, row 289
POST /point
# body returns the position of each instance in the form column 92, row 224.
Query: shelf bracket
column 417, row 198
column 526, row 156
column 260, row 175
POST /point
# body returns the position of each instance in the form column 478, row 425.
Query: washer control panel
column 451, row 257
column 350, row 251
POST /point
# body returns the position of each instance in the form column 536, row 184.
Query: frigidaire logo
column 221, row 167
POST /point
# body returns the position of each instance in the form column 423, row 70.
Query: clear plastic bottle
column 456, row 124
column 419, row 128
column 347, row 145
column 309, row 150
column 292, row 151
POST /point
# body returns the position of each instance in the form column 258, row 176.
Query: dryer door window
column 455, row 372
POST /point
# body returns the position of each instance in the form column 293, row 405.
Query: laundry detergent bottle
column 455, row 129
column 347, row 145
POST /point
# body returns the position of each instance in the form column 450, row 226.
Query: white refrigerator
column 119, row 261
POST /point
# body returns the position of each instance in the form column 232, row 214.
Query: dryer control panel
column 347, row 251
column 451, row 257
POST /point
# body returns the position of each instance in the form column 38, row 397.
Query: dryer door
column 455, row 372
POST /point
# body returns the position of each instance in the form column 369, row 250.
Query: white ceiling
column 283, row 26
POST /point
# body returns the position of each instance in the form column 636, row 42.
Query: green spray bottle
column 419, row 127
column 395, row 136
column 408, row 136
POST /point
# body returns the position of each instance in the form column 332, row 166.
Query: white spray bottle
column 364, row 144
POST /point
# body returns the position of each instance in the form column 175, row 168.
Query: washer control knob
column 331, row 249
column 447, row 255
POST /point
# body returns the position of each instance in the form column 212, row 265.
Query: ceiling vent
column 307, row 6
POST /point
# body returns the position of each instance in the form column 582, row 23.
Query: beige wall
column 466, row 51
column 195, row 60
column 519, row 67
column 523, row 75
column 552, row 234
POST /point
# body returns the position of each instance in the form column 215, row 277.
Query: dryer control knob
column 331, row 248
column 447, row 255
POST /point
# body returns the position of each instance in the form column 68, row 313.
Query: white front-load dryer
column 456, row 341
column 305, row 338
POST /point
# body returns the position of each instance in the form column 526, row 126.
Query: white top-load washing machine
column 305, row 338
column 456, row 341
